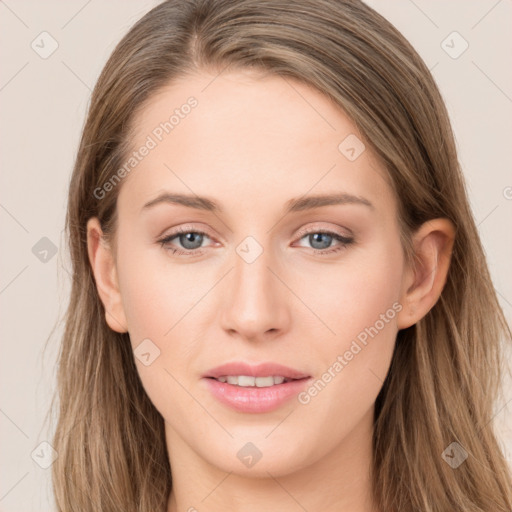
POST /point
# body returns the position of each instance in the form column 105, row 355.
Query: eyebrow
column 293, row 205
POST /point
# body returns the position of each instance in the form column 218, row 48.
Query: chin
column 259, row 458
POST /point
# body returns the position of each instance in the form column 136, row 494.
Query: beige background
column 43, row 103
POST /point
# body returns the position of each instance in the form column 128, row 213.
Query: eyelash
column 344, row 241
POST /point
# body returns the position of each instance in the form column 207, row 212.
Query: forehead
column 247, row 138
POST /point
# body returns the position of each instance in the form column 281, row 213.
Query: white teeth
column 247, row 381
column 263, row 382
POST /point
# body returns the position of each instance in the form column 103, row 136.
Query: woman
column 280, row 299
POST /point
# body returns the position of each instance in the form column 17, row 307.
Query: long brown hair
column 446, row 369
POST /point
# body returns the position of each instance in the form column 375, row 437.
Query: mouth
column 254, row 388
column 247, row 381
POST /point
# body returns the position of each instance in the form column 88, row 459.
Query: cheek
column 156, row 294
column 351, row 295
column 158, row 300
column 359, row 301
column 370, row 290
column 361, row 308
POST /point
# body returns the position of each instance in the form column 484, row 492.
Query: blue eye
column 191, row 241
column 321, row 241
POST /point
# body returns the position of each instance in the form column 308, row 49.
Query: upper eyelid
column 185, row 229
column 190, row 229
column 315, row 229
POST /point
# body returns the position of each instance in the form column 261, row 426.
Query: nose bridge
column 255, row 302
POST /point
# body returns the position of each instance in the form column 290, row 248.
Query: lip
column 254, row 399
column 259, row 370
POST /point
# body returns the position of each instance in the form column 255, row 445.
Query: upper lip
column 255, row 370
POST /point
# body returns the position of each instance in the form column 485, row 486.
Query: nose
column 256, row 303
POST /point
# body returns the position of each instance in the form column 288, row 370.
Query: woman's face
column 251, row 160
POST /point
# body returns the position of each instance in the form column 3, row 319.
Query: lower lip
column 254, row 399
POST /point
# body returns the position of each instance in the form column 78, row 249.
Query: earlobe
column 105, row 274
column 423, row 283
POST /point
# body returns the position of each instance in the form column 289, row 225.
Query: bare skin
column 251, row 145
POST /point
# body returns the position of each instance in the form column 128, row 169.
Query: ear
column 424, row 281
column 105, row 274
